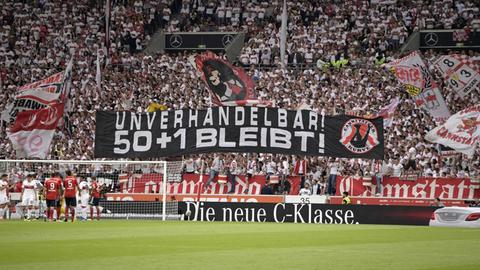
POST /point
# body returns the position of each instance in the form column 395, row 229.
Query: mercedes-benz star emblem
column 431, row 39
column 176, row 41
column 227, row 39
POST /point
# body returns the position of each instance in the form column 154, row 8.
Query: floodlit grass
column 196, row 245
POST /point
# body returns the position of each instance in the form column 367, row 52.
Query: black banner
column 198, row 40
column 236, row 129
column 449, row 39
column 306, row 213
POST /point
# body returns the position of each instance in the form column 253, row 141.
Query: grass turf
column 196, row 245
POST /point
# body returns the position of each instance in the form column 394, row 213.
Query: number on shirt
column 51, row 186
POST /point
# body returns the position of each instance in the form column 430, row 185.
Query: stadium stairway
column 156, row 43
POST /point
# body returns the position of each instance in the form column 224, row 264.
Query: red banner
column 422, row 188
column 33, row 130
column 187, row 198
column 152, row 183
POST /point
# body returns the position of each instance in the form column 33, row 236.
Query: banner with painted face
column 236, row 129
column 225, row 82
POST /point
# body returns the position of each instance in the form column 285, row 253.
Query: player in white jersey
column 4, row 201
column 29, row 196
column 84, row 197
column 39, row 189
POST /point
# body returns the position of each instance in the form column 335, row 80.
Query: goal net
column 95, row 180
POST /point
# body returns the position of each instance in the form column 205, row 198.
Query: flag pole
column 107, row 31
column 283, row 34
column 98, row 76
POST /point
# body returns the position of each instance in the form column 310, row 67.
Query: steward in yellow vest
column 346, row 199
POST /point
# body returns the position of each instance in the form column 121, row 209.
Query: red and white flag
column 388, row 111
column 461, row 131
column 40, row 94
column 414, row 75
column 460, row 72
column 32, row 131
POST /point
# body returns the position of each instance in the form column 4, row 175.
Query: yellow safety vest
column 346, row 200
column 379, row 62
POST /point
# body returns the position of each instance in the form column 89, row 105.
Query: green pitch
column 186, row 245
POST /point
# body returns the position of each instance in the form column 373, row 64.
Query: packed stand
column 360, row 33
column 322, row 31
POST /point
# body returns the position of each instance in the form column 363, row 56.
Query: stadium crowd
column 36, row 40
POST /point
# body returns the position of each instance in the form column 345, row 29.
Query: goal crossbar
column 55, row 161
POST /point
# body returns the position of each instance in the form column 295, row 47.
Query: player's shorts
column 95, row 201
column 71, row 201
column 51, row 203
column 4, row 200
column 29, row 201
column 59, row 203
column 84, row 200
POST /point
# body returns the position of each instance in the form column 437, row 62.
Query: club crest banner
column 461, row 131
column 414, row 75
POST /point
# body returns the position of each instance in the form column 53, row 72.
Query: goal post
column 113, row 176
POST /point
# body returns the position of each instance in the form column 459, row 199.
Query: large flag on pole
column 40, row 94
column 227, row 85
column 387, row 112
column 414, row 75
column 283, row 34
column 67, row 80
column 33, row 130
column 461, row 131
column 460, row 72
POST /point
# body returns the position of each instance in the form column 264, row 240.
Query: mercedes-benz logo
column 431, row 39
column 176, row 41
column 227, row 39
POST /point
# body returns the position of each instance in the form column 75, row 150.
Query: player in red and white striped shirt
column 29, row 196
column 4, row 201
